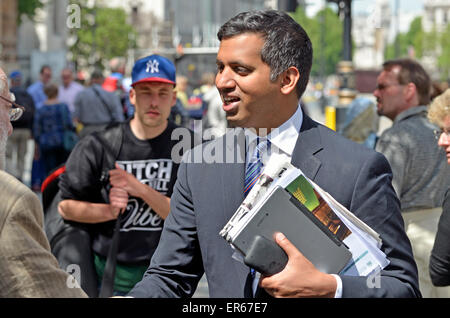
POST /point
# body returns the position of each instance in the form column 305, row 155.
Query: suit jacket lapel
column 232, row 187
column 308, row 145
column 232, row 174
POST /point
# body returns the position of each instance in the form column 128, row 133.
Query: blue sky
column 405, row 6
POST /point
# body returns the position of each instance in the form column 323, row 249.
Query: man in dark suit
column 264, row 61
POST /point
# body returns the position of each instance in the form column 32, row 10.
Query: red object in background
column 195, row 102
column 110, row 84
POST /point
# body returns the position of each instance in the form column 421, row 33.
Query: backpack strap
column 111, row 140
column 104, row 103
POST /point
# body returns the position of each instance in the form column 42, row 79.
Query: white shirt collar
column 284, row 137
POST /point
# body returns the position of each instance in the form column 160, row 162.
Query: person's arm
column 86, row 212
column 27, row 267
column 121, row 179
column 81, row 186
column 397, row 155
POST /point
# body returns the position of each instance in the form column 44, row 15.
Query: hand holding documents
column 284, row 200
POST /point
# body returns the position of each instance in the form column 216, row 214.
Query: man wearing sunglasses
column 420, row 172
column 27, row 267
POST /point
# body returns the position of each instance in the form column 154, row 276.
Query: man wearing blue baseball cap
column 140, row 182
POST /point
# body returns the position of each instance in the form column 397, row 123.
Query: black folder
column 282, row 212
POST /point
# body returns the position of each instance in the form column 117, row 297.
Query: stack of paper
column 362, row 241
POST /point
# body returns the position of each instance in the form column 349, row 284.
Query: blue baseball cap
column 15, row 74
column 153, row 68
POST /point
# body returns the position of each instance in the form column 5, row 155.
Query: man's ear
column 411, row 91
column 132, row 95
column 174, row 102
column 289, row 80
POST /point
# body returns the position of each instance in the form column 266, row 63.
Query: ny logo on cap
column 152, row 66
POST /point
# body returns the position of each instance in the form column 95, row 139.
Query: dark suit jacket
column 206, row 195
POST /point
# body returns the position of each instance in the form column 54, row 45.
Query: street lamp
column 345, row 68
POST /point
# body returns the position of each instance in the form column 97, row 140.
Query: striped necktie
column 255, row 164
column 252, row 173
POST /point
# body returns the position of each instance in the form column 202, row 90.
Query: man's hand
column 119, row 178
column 300, row 278
column 118, row 200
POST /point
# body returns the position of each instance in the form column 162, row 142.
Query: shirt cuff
column 338, row 293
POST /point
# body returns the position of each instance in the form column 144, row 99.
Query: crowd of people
column 72, row 110
column 136, row 220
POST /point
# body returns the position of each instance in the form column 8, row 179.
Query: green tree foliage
column 28, row 7
column 103, row 34
column 444, row 57
column 432, row 43
column 325, row 31
column 413, row 39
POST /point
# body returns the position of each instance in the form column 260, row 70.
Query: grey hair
column 286, row 42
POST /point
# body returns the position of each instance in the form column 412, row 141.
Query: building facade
column 8, row 34
column 370, row 35
column 436, row 15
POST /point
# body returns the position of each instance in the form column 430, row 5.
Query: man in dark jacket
column 17, row 143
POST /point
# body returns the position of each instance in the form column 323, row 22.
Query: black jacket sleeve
column 81, row 181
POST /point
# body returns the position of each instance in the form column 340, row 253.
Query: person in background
column 439, row 114
column 361, row 122
column 215, row 118
column 114, row 82
column 182, row 86
column 69, row 89
column 22, row 133
column 420, row 174
column 27, row 267
column 96, row 108
column 36, row 90
column 50, row 122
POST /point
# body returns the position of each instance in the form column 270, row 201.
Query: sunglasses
column 381, row 87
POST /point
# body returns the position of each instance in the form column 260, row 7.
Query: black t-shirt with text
column 150, row 162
